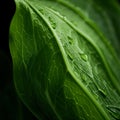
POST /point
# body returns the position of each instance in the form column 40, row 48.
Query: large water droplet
column 52, row 22
column 84, row 57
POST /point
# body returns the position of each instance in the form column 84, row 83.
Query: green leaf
column 65, row 61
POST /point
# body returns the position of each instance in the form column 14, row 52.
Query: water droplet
column 41, row 11
column 49, row 35
column 84, row 57
column 52, row 22
column 102, row 92
column 70, row 57
column 70, row 40
column 83, row 77
column 64, row 18
column 57, row 13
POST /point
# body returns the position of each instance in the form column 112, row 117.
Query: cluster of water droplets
column 74, row 52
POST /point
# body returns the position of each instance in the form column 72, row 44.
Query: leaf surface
column 65, row 64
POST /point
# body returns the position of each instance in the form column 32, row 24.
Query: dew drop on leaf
column 83, row 77
column 41, row 11
column 64, row 18
column 102, row 93
column 70, row 57
column 84, row 57
column 70, row 40
column 52, row 22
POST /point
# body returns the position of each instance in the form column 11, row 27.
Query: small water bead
column 64, row 18
column 70, row 57
column 41, row 11
column 70, row 40
column 57, row 13
column 102, row 92
column 84, row 57
column 85, row 79
column 83, row 76
column 52, row 22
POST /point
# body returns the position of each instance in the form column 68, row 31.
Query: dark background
column 7, row 8
column 8, row 99
column 11, row 108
